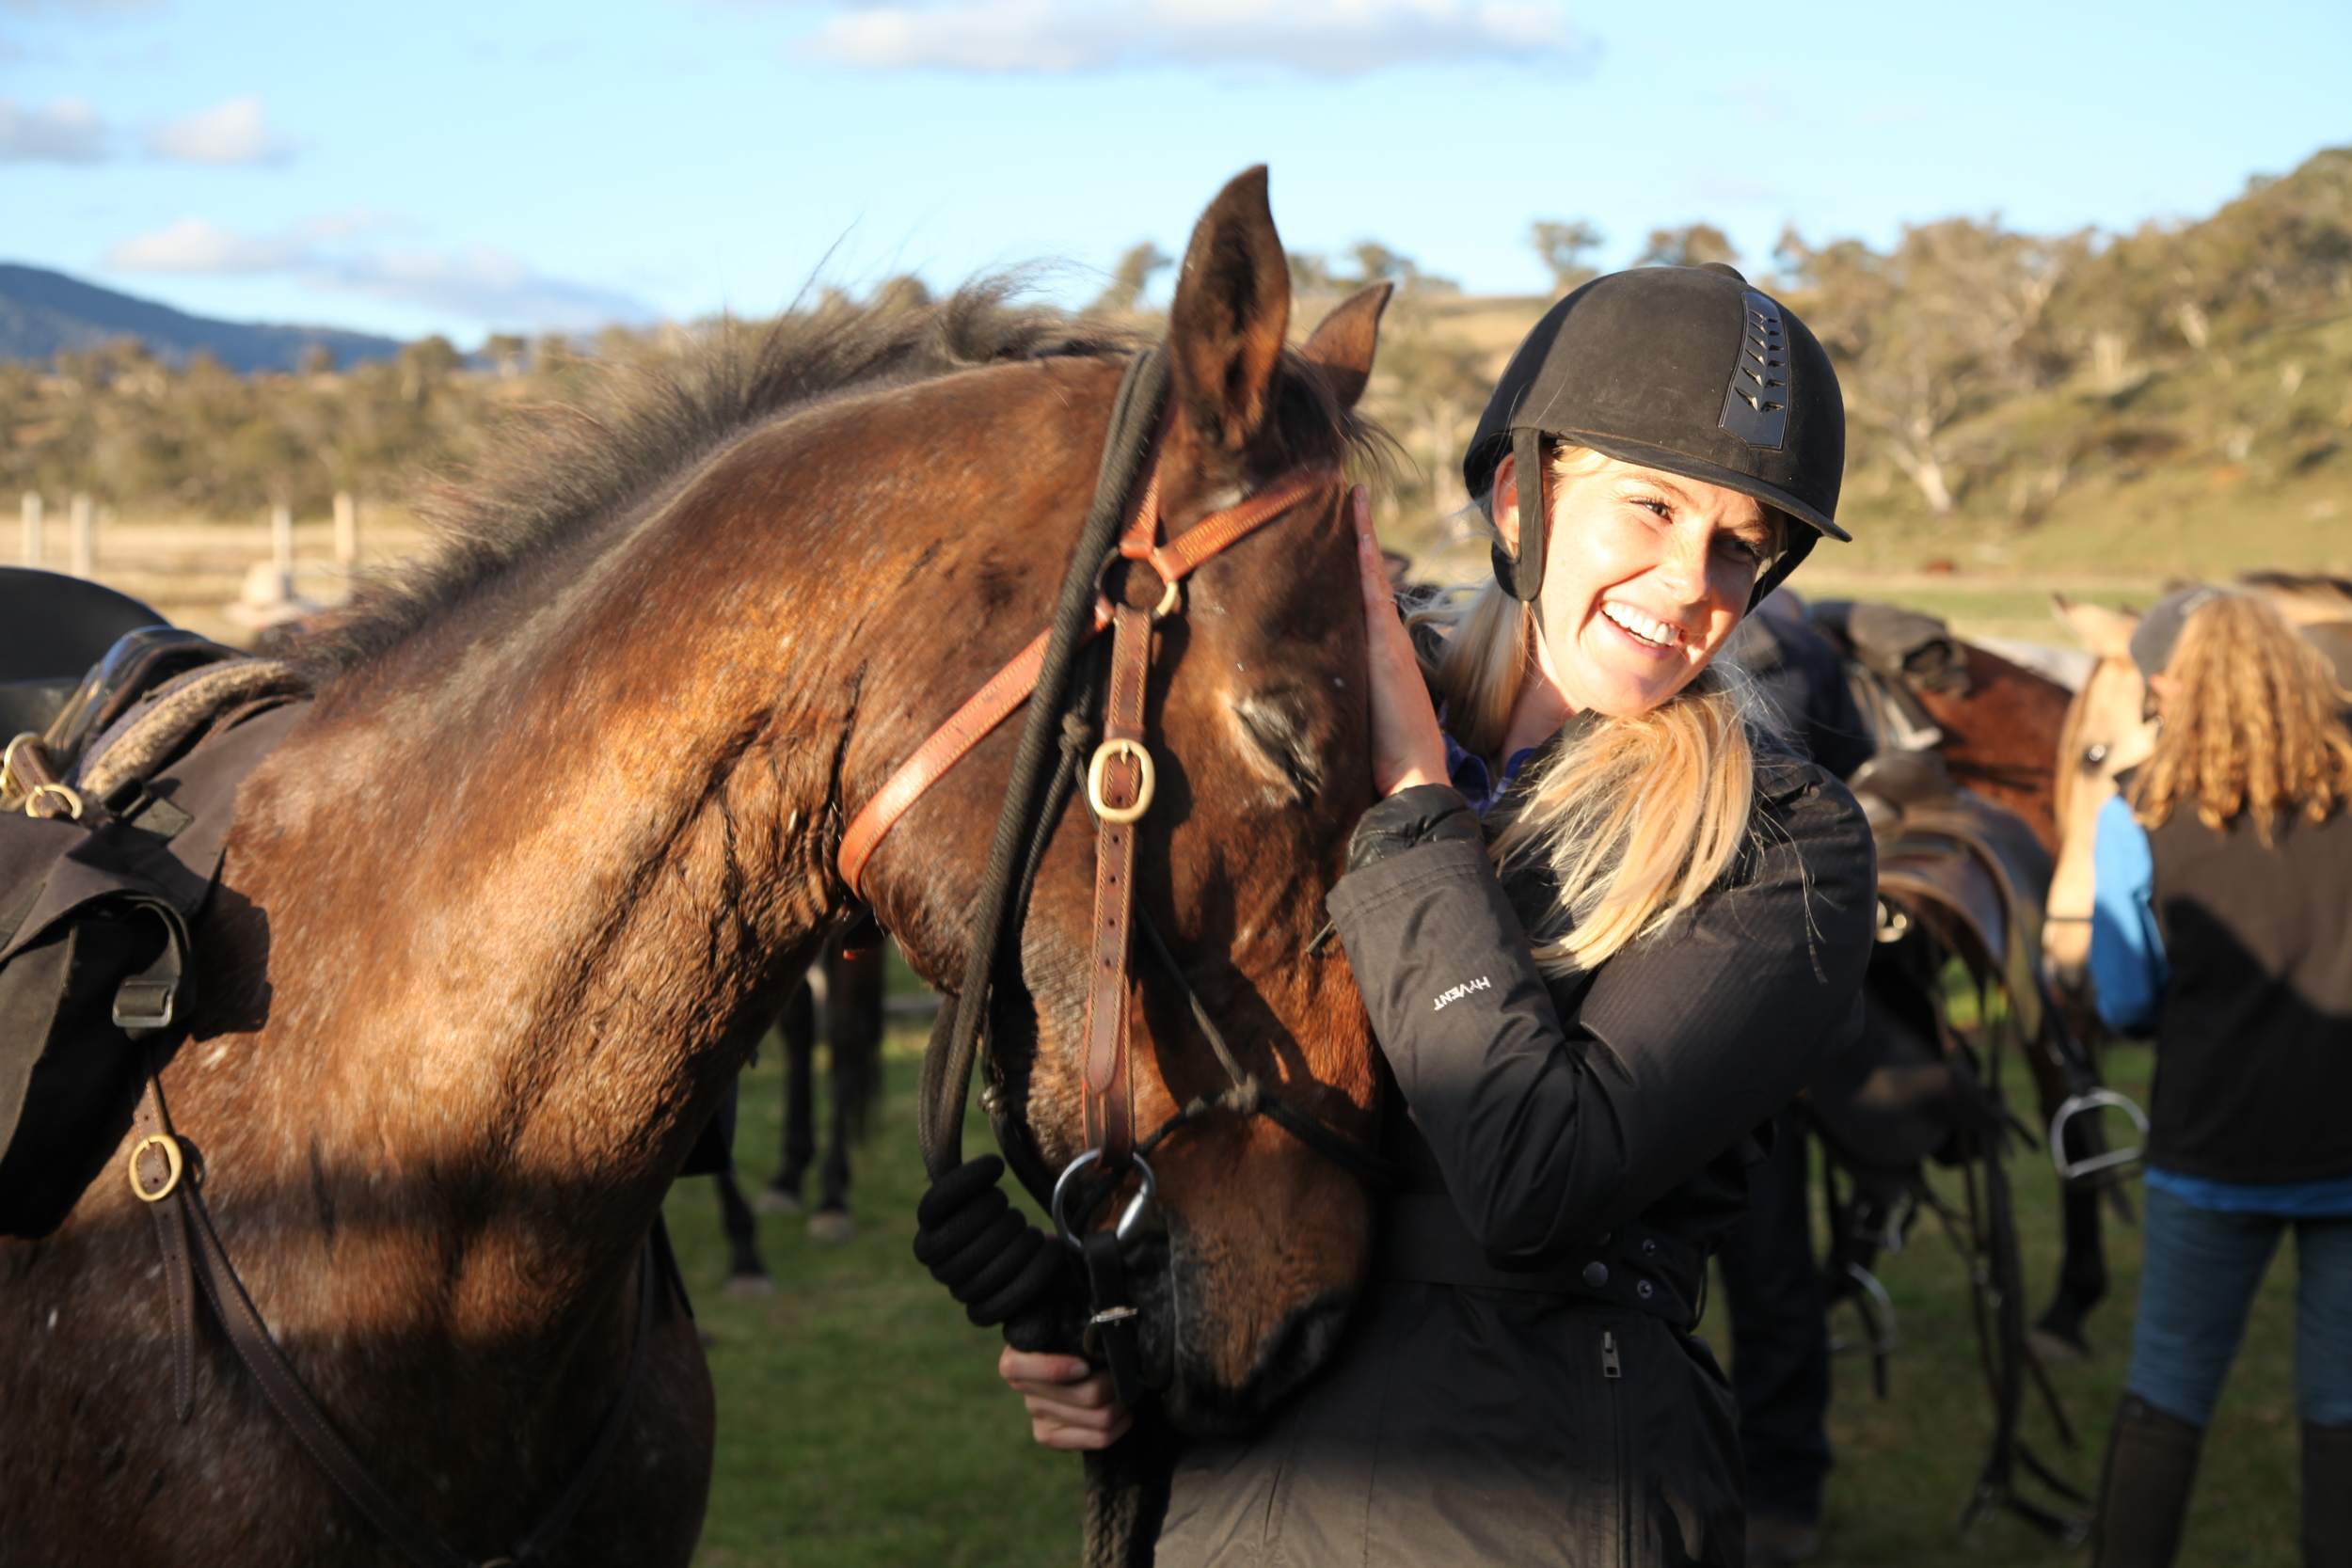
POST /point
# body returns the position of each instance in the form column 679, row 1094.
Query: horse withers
column 506, row 911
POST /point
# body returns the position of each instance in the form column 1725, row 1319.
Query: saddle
column 113, row 819
column 1891, row 655
column 53, row 628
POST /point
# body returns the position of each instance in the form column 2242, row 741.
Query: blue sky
column 518, row 163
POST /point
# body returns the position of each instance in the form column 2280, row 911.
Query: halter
column 1119, row 782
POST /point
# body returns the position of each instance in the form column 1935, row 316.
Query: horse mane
column 556, row 471
column 2315, row 592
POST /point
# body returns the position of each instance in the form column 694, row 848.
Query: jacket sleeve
column 2128, row 967
column 1559, row 1113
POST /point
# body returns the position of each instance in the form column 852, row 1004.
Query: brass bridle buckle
column 175, row 1165
column 1147, row 779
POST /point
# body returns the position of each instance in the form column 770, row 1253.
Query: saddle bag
column 94, row 917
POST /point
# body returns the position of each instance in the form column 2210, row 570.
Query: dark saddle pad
column 95, row 908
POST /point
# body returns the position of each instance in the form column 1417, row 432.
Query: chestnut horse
column 504, row 915
column 2107, row 730
column 2002, row 738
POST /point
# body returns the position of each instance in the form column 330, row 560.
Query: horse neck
column 531, row 886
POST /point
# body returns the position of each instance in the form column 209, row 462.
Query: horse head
column 2107, row 731
column 1253, row 714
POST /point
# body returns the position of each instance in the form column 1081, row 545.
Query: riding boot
column 2152, row 1463
column 2327, row 1496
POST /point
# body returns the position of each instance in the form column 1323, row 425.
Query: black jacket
column 1592, row 1132
column 2254, row 1052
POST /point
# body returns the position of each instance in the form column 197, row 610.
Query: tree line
column 1986, row 370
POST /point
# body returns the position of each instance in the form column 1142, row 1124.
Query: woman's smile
column 1647, row 632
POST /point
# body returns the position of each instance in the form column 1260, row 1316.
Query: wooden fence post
column 85, row 537
column 346, row 531
column 281, row 544
column 32, row 528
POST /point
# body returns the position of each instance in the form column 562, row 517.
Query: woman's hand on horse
column 1407, row 747
column 1070, row 1404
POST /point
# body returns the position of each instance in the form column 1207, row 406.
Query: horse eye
column 2095, row 755
column 1280, row 736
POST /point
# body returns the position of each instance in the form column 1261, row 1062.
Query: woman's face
column 1647, row 576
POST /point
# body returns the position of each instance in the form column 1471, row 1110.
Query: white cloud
column 235, row 132
column 67, row 131
column 192, row 245
column 489, row 286
column 1324, row 37
column 85, row 7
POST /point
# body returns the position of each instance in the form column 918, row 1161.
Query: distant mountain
column 42, row 312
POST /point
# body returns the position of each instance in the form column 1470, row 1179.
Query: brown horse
column 2001, row 738
column 505, row 915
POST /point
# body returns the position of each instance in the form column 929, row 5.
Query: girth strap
column 166, row 1175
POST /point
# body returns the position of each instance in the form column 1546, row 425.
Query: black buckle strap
column 1112, row 1329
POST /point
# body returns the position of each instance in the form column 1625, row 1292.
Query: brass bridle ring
column 1171, row 597
column 1145, row 784
column 174, row 1161
column 73, row 801
column 8, row 760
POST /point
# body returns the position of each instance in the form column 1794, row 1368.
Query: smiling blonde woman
column 1606, row 927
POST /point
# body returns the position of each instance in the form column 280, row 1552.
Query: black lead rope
column 947, row 1080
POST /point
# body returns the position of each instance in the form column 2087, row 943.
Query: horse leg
column 853, row 999
column 798, row 1027
column 832, row 1221
column 2063, row 1068
column 747, row 1272
column 2082, row 1266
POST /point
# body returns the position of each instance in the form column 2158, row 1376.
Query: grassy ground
column 1905, row 1467
column 860, row 1419
column 861, row 1423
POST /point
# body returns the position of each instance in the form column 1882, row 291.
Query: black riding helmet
column 1684, row 369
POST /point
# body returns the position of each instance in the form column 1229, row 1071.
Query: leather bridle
column 1120, row 785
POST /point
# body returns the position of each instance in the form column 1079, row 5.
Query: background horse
column 503, row 916
column 2109, row 729
column 1960, row 798
column 847, row 983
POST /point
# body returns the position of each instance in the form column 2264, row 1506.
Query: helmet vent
column 1756, row 405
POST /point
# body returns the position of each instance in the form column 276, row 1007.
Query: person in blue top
column 2222, row 926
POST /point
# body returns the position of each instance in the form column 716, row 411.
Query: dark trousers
column 1779, row 1335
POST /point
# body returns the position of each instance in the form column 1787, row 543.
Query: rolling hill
column 44, row 313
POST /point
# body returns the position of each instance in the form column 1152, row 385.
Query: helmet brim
column 1667, row 460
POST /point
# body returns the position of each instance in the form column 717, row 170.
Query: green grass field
column 860, row 1422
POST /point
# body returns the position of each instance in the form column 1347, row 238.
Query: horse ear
column 1231, row 310
column 1342, row 348
column 2105, row 632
